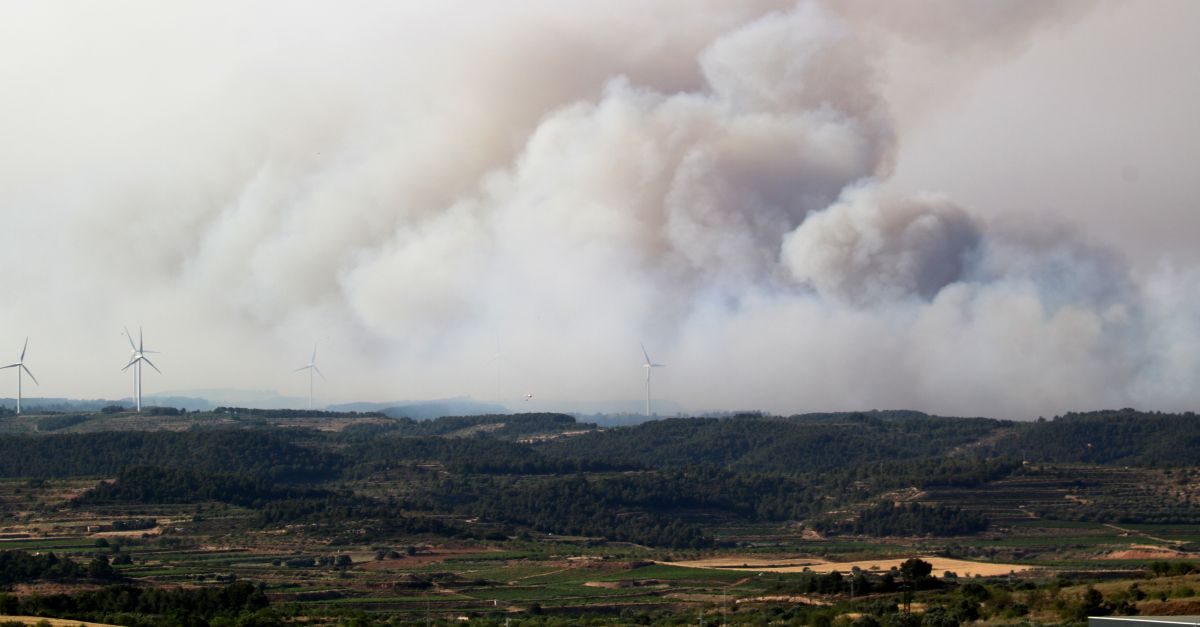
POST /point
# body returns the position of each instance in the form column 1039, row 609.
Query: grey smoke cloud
column 868, row 249
column 455, row 199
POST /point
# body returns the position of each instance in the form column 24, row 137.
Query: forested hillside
column 1125, row 437
column 799, row 444
column 661, row 483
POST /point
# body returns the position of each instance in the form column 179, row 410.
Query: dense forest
column 798, row 444
column 907, row 519
column 1123, row 437
column 276, row 454
column 153, row 484
column 660, row 483
column 236, row 603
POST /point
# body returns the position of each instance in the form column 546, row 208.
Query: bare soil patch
column 1147, row 555
column 1149, row 552
column 785, row 598
column 132, row 533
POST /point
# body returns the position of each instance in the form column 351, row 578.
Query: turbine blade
column 314, row 357
column 152, row 365
column 319, row 372
column 26, row 369
column 23, row 350
column 9, row 366
column 140, row 342
column 644, row 353
column 303, row 368
column 657, row 365
column 130, row 338
column 131, row 362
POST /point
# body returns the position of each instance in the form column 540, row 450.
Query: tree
column 915, row 569
column 99, row 568
column 1092, row 604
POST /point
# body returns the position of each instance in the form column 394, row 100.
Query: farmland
column 358, row 518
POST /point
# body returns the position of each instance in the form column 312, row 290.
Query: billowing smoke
column 506, row 203
column 862, row 250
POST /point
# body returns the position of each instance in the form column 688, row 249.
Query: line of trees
column 23, row 567
column 137, row 606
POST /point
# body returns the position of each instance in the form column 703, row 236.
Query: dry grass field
column 54, row 622
column 962, row 568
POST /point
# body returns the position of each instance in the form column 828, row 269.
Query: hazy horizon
column 980, row 208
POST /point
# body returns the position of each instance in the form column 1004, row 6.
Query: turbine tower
column 20, row 365
column 311, row 367
column 136, row 357
column 649, row 365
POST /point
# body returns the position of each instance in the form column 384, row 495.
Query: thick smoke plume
column 457, row 199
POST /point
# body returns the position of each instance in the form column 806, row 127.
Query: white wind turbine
column 649, row 365
column 311, row 367
column 137, row 356
column 20, row 365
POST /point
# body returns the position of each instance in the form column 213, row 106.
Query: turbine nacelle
column 137, row 355
column 311, row 367
column 20, row 363
column 648, row 365
column 649, row 362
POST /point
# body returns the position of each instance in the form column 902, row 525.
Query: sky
column 968, row 208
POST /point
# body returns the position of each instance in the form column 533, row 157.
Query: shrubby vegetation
column 506, row 425
column 907, row 519
column 56, row 422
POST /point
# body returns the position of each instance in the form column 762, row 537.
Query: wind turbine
column 20, row 365
column 311, row 367
column 136, row 357
column 649, row 365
